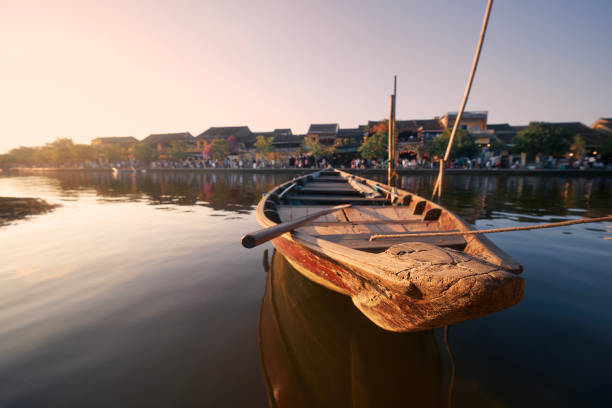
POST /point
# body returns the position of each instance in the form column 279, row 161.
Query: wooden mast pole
column 438, row 186
column 391, row 129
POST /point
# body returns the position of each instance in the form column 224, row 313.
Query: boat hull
column 404, row 311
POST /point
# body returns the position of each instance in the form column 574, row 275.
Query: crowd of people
column 309, row 161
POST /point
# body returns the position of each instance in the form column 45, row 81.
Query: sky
column 86, row 69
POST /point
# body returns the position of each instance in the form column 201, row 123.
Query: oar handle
column 259, row 237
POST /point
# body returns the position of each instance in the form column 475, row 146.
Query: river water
column 135, row 291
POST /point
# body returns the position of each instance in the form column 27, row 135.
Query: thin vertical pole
column 392, row 142
column 390, row 167
column 483, row 30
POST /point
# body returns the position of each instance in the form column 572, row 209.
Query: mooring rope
column 451, row 385
column 491, row 231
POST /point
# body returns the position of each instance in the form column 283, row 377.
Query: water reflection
column 473, row 197
column 318, row 350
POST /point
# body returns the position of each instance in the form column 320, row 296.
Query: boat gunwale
column 361, row 262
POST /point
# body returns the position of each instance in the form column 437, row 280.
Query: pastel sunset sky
column 86, row 69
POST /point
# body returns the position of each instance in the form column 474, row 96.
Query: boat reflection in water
column 318, row 350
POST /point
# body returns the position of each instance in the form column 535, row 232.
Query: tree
column 317, row 149
column 606, row 148
column 497, row 146
column 375, row 146
column 542, row 138
column 219, row 149
column 62, row 150
column 84, row 152
column 463, row 145
column 232, row 144
column 264, row 144
column 577, row 147
column 23, row 155
column 178, row 149
column 6, row 161
column 112, row 153
column 144, row 153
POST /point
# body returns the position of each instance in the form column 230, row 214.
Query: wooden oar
column 259, row 237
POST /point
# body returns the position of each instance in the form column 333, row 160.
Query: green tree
column 178, row 149
column 577, row 147
column 62, row 150
column 375, row 146
column 264, row 144
column 542, row 138
column 463, row 146
column 606, row 148
column 113, row 153
column 318, row 150
column 219, row 149
column 84, row 152
column 26, row 156
column 45, row 155
column 6, row 161
column 497, row 146
column 144, row 153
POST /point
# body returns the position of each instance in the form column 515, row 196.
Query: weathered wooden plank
column 362, row 241
column 360, row 213
column 331, row 185
column 331, row 179
column 334, row 199
column 293, row 212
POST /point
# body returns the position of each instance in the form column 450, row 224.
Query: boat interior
column 371, row 212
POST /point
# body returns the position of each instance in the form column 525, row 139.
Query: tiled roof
column 288, row 139
column 167, row 137
column 500, row 127
column 323, row 128
column 283, row 132
column 115, row 140
column 240, row 132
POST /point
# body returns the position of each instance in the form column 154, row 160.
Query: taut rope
column 491, row 231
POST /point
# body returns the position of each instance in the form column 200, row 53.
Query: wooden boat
column 401, row 283
column 119, row 170
column 317, row 350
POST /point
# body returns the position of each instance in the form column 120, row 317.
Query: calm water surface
column 136, row 292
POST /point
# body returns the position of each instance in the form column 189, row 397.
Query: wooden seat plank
column 362, row 241
column 335, row 199
column 358, row 213
column 331, row 179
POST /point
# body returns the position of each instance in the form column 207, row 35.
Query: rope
column 485, row 22
column 492, row 231
column 451, row 385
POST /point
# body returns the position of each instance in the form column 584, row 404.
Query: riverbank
column 297, row 171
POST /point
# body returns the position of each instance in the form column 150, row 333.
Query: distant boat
column 124, row 169
column 401, row 283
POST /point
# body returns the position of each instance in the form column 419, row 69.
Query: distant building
column 473, row 121
column 324, row 133
column 504, row 132
column 163, row 141
column 349, row 140
column 604, row 124
column 593, row 138
column 282, row 132
column 286, row 145
column 243, row 136
column 120, row 141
